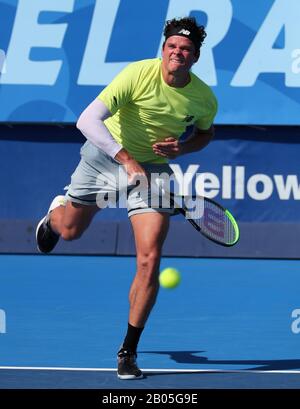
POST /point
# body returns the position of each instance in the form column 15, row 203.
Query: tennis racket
column 208, row 217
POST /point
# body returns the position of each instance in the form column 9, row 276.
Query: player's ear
column 197, row 56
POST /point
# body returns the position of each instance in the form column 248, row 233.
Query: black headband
column 184, row 32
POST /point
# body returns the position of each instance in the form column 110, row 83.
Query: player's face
column 178, row 54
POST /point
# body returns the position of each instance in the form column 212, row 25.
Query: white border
column 43, row 368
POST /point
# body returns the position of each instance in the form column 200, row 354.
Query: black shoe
column 127, row 367
column 46, row 238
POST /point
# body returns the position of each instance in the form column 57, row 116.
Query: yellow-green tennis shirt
column 146, row 110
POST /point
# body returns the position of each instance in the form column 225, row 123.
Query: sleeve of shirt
column 206, row 121
column 91, row 125
column 120, row 91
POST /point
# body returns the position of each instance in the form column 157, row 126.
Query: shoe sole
column 130, row 377
column 36, row 233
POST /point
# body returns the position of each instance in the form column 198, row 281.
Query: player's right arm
column 92, row 126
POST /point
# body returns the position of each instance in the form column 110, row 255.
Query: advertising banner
column 57, row 55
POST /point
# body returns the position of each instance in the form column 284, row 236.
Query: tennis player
column 134, row 125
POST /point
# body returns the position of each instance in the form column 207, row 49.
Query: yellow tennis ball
column 169, row 278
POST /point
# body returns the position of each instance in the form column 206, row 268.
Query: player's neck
column 176, row 80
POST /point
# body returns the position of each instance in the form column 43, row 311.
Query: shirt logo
column 184, row 32
column 188, row 118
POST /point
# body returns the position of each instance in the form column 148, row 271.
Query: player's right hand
column 135, row 172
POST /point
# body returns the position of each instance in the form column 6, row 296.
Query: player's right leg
column 68, row 217
column 64, row 219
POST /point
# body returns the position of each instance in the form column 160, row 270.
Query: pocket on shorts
column 84, row 147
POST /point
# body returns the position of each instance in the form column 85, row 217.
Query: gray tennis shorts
column 100, row 180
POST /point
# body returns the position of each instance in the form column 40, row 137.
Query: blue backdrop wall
column 252, row 171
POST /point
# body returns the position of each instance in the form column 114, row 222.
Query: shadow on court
column 189, row 357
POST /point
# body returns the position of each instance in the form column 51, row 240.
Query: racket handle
column 193, row 223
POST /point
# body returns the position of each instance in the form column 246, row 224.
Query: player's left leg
column 150, row 230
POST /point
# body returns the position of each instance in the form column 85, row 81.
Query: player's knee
column 148, row 264
column 70, row 234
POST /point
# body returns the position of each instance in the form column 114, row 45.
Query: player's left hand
column 170, row 148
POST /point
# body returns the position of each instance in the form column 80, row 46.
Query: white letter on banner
column 94, row 70
column 267, row 185
column 226, row 182
column 261, row 57
column 207, row 184
column 184, row 179
column 288, row 189
column 240, row 182
column 27, row 33
column 219, row 16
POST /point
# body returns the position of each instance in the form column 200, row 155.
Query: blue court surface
column 232, row 323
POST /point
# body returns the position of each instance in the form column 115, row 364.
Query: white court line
column 43, row 368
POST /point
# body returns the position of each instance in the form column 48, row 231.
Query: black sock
column 132, row 338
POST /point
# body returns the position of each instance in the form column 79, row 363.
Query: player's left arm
column 171, row 147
